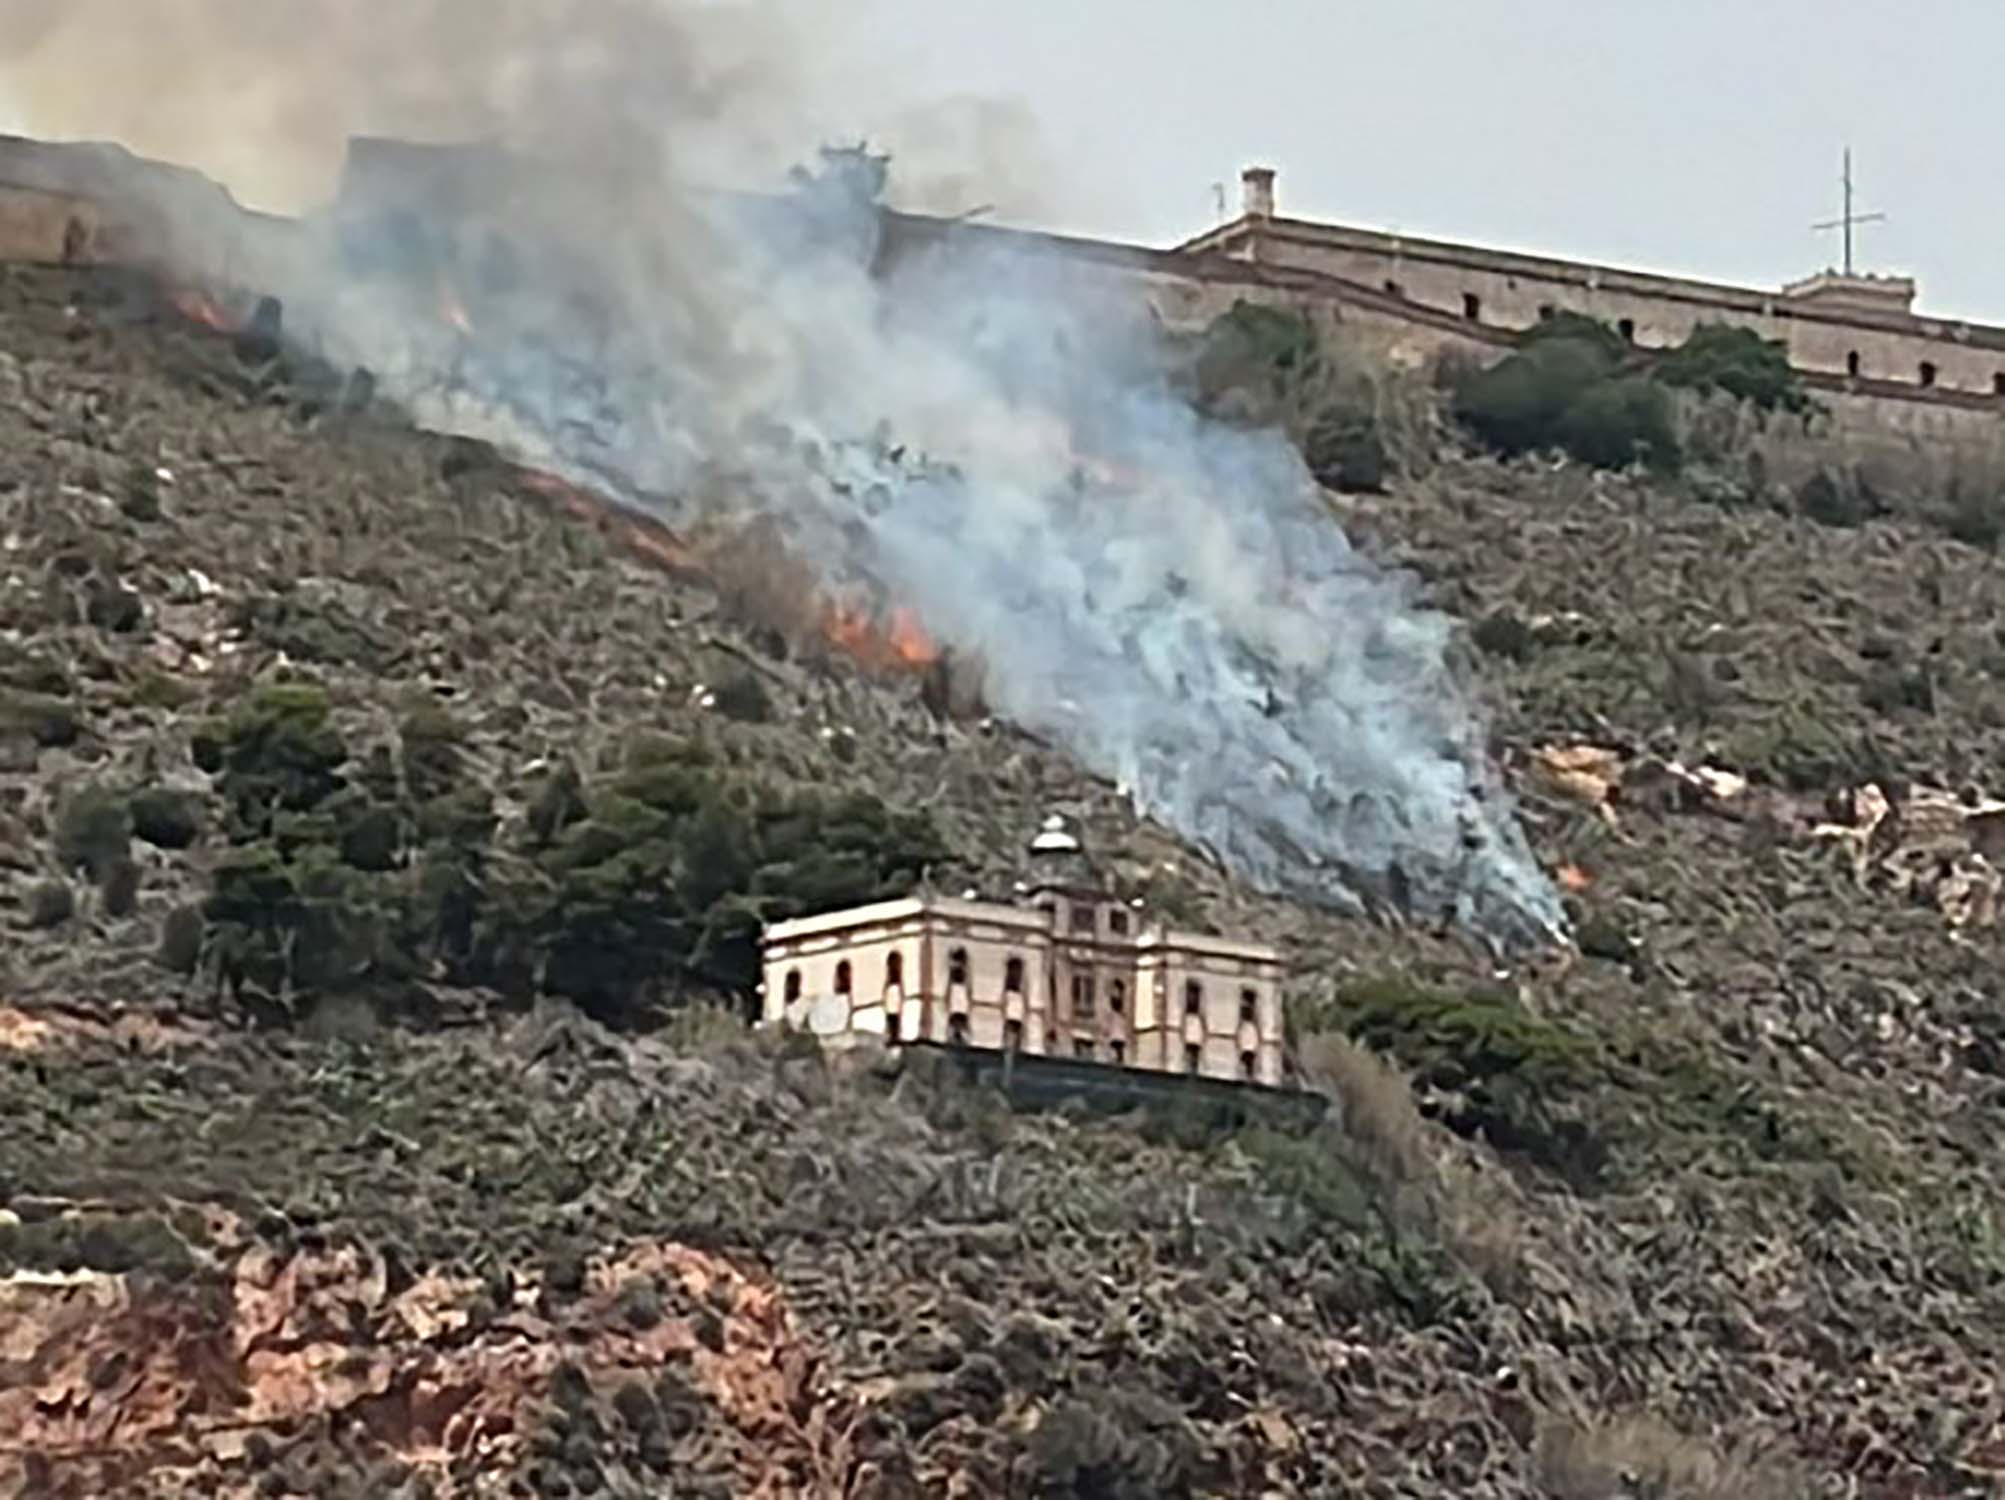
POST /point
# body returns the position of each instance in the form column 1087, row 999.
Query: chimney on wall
column 1257, row 192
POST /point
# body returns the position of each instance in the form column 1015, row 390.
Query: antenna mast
column 1848, row 218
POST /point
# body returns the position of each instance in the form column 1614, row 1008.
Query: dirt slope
column 1715, row 1203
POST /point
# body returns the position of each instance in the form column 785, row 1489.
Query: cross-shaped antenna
column 1849, row 218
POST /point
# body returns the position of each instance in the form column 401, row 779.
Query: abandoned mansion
column 1071, row 972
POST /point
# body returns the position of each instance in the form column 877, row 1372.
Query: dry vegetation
column 416, row 1223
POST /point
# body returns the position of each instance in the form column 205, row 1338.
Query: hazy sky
column 1700, row 138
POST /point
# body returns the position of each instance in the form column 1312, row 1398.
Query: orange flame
column 199, row 307
column 647, row 538
column 894, row 642
column 900, row 641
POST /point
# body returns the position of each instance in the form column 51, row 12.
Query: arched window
column 1852, row 362
column 843, row 978
column 1472, row 306
column 894, row 972
column 1117, row 996
column 1927, row 373
column 1193, row 998
column 1627, row 328
column 957, row 967
column 1013, row 977
column 793, row 985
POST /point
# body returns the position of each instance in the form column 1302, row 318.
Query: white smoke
column 988, row 436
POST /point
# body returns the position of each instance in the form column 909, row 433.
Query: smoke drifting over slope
column 988, row 438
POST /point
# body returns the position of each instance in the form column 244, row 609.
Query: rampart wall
column 1508, row 291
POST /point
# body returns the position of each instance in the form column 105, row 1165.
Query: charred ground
column 374, row 836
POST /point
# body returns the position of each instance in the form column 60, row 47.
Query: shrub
column 1737, row 361
column 1502, row 1071
column 1112, row 1444
column 1502, row 633
column 51, row 903
column 166, row 818
column 1565, row 326
column 1837, row 498
column 1618, row 423
column 119, row 887
column 1517, row 405
column 93, row 831
column 1343, row 447
column 1268, row 365
column 277, row 751
column 1255, row 354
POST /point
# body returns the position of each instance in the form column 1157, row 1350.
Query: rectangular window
column 1082, row 918
column 1117, row 921
column 1192, row 1057
column 1249, row 1005
column 1082, row 994
column 1117, row 1052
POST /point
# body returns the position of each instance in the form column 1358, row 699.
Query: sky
column 1701, row 138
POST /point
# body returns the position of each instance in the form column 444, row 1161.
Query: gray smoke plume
column 984, row 434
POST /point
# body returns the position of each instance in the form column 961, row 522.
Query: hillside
column 371, row 1131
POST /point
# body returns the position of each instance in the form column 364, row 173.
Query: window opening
column 793, row 985
column 1117, row 996
column 1852, row 362
column 957, row 967
column 843, row 978
column 1192, row 1056
column 1082, row 994
column 1117, row 1052
column 1249, row 1005
column 894, row 972
column 1193, row 998
column 1472, row 306
column 1627, row 328
column 1248, row 1064
column 1927, row 373
column 1013, row 1035
column 1013, row 977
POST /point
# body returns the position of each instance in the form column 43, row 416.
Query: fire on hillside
column 949, row 456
